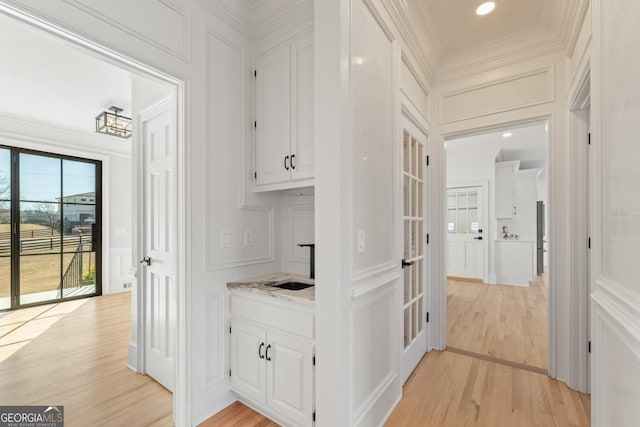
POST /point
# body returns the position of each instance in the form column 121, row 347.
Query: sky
column 40, row 176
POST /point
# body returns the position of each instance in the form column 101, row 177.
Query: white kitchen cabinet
column 504, row 189
column 284, row 153
column 272, row 357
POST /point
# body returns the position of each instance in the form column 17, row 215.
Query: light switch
column 225, row 239
column 362, row 241
column 248, row 237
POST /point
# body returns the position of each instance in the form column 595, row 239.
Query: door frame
column 485, row 223
column 582, row 201
column 181, row 397
column 439, row 288
column 408, row 111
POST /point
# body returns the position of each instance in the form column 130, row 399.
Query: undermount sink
column 293, row 286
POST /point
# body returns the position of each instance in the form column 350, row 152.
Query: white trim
column 182, row 393
column 577, row 124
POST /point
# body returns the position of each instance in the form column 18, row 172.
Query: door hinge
column 314, row 416
column 427, row 316
column 255, row 73
column 427, row 238
column 229, row 328
column 229, row 372
column 427, row 160
column 255, row 175
column 589, row 242
column 314, row 360
column 589, row 347
column 589, row 139
column 255, row 125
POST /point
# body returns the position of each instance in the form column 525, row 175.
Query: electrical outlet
column 126, row 285
column 248, row 237
column 225, row 239
column 362, row 241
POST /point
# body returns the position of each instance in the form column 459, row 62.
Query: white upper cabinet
column 504, row 189
column 284, row 116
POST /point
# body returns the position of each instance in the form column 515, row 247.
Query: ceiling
column 48, row 80
column 459, row 28
column 527, row 143
column 457, row 31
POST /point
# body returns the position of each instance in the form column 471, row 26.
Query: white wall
column 359, row 50
column 115, row 155
column 297, row 217
column 615, row 215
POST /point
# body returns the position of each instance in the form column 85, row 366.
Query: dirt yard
column 39, row 272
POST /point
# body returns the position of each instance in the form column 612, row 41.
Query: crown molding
column 575, row 20
column 228, row 15
column 295, row 10
column 451, row 70
column 418, row 46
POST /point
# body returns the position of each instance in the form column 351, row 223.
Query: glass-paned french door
column 414, row 180
column 50, row 227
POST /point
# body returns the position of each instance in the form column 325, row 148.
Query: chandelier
column 112, row 123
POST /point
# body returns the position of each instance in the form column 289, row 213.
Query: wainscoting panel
column 119, row 270
column 215, row 337
column 615, row 356
column 375, row 358
column 168, row 30
column 226, row 69
column 520, row 91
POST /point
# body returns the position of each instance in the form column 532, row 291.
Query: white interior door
column 159, row 241
column 465, row 218
column 414, row 296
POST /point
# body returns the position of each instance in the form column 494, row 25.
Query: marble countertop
column 263, row 285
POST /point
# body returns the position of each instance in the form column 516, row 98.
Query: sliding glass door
column 53, row 232
column 5, row 229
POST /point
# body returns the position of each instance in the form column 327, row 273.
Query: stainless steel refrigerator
column 540, row 239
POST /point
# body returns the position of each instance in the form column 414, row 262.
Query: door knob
column 146, row 260
column 478, row 238
column 406, row 263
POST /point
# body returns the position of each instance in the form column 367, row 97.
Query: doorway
column 497, row 292
column 50, row 227
column 143, row 329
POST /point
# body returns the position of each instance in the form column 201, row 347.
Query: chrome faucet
column 312, row 261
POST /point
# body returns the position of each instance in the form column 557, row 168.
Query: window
column 462, row 211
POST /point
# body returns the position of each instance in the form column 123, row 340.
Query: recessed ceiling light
column 506, row 134
column 485, row 8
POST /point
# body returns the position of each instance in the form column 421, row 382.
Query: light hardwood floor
column 501, row 321
column 504, row 384
column 80, row 362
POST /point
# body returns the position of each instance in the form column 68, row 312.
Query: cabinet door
column 504, row 192
column 248, row 370
column 290, row 379
column 302, row 112
column 273, row 116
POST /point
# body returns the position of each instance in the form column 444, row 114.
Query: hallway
column 499, row 321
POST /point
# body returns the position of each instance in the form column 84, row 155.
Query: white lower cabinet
column 273, row 369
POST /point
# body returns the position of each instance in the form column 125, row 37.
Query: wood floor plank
column 502, row 321
column 80, row 362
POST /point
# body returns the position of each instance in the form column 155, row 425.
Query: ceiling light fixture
column 113, row 123
column 486, row 8
column 506, row 134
